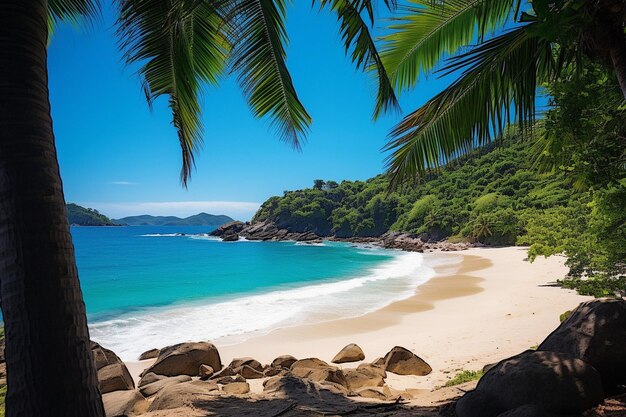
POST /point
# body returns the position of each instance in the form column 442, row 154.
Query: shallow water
column 148, row 287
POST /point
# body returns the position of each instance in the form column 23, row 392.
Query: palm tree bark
column 50, row 371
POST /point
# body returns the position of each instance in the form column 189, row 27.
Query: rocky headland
column 269, row 231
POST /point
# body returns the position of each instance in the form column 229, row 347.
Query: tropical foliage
column 500, row 55
column 483, row 197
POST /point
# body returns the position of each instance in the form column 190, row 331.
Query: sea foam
column 234, row 320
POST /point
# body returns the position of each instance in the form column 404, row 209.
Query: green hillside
column 201, row 219
column 81, row 216
column 487, row 197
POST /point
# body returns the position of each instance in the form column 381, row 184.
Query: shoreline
column 490, row 305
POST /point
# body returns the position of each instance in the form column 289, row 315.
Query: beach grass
column 463, row 377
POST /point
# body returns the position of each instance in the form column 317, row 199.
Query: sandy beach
column 484, row 304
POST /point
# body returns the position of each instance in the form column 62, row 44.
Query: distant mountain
column 201, row 219
column 81, row 216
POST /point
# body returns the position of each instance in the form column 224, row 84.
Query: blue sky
column 122, row 159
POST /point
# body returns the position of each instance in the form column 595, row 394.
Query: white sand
column 489, row 305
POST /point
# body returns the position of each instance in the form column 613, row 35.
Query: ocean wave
column 235, row 320
column 163, row 235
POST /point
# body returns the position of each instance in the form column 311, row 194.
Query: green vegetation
column 82, row 216
column 486, row 197
column 463, row 377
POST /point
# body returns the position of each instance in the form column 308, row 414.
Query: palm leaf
column 258, row 37
column 75, row 12
column 356, row 37
column 428, row 31
column 498, row 84
column 179, row 45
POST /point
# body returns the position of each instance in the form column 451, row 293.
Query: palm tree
column 179, row 45
column 497, row 77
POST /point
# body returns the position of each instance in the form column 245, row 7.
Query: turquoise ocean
column 148, row 287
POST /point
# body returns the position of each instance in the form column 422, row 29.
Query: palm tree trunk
column 50, row 371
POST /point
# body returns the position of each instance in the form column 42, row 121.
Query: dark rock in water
column 230, row 237
column 553, row 382
column 402, row 361
column 185, row 359
column 596, row 333
column 149, row 354
column 233, row 227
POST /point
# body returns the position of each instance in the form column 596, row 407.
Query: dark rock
column 529, row 410
column 230, row 237
column 596, row 333
column 233, row 227
column 185, row 359
column 225, row 380
column 248, row 372
column 310, row 363
column 552, row 381
column 357, row 380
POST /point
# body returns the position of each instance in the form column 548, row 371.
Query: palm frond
column 75, row 12
column 498, row 84
column 179, row 45
column 429, row 31
column 258, row 37
column 356, row 36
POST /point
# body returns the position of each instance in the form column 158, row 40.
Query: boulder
column 596, row 333
column 379, row 362
column 236, row 388
column 529, row 410
column 271, row 371
column 284, row 361
column 223, row 373
column 329, row 374
column 248, row 372
column 309, row 363
column 350, row 353
column 122, row 403
column 372, row 370
column 357, row 380
column 402, row 361
column 373, row 393
column 185, row 359
column 115, row 377
column 554, row 382
column 149, row 378
column 230, row 379
column 149, row 354
column 151, row 389
column 102, row 356
column 179, row 395
column 205, row 372
column 247, row 361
